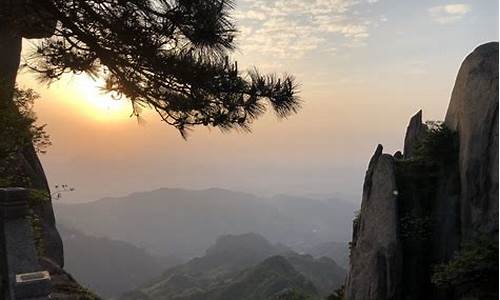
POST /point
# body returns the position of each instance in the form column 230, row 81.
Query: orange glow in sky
column 364, row 68
column 92, row 101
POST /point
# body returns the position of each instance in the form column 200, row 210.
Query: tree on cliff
column 168, row 55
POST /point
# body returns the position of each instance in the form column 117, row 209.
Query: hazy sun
column 86, row 94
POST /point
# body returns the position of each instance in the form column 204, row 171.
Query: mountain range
column 109, row 267
column 244, row 266
column 184, row 223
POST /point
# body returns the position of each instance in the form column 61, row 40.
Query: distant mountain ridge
column 185, row 222
column 243, row 267
column 338, row 251
column 109, row 267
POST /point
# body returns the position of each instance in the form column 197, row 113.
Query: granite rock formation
column 376, row 250
column 420, row 209
column 19, row 20
column 28, row 19
column 414, row 132
column 473, row 113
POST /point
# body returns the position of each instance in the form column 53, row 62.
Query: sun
column 87, row 95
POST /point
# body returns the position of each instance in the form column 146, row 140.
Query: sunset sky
column 365, row 67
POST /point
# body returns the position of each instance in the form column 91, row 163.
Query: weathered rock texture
column 28, row 19
column 376, row 250
column 416, row 129
column 420, row 207
column 64, row 286
column 473, row 113
column 31, row 165
column 18, row 19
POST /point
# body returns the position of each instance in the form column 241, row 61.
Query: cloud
column 292, row 28
column 450, row 13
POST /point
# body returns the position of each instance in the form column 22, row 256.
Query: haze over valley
column 169, row 226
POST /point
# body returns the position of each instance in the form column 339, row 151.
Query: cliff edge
column 428, row 224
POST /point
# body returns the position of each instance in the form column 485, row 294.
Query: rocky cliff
column 428, row 224
column 23, row 168
column 19, row 162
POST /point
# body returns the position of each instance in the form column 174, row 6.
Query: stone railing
column 23, row 277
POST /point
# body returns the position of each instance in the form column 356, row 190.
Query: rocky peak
column 473, row 113
column 423, row 209
column 414, row 133
column 376, row 251
column 243, row 243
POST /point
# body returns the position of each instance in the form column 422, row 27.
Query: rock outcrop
column 27, row 19
column 64, row 286
column 420, row 209
column 31, row 166
column 473, row 113
column 376, row 251
column 414, row 133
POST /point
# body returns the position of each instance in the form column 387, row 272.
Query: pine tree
column 168, row 55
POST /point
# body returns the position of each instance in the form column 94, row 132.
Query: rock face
column 64, row 286
column 420, row 208
column 376, row 251
column 473, row 113
column 27, row 19
column 31, row 166
column 416, row 129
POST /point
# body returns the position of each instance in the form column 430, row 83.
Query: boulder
column 376, row 262
column 473, row 113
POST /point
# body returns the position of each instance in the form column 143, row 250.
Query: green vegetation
column 357, row 218
column 38, row 196
column 355, row 225
column 171, row 56
column 415, row 227
column 293, row 295
column 19, row 128
column 439, row 144
column 419, row 178
column 37, row 229
column 252, row 272
column 75, row 290
column 474, row 269
column 338, row 294
column 437, row 149
column 268, row 279
column 20, row 132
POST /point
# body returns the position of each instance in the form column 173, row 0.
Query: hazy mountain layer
column 338, row 251
column 185, row 222
column 106, row 266
column 244, row 267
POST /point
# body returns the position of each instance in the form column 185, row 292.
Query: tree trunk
column 10, row 56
